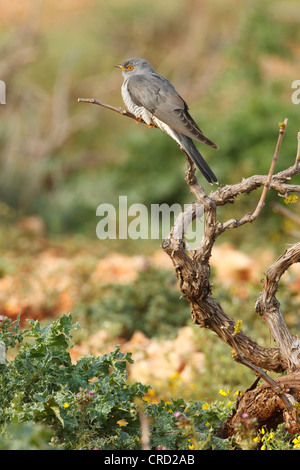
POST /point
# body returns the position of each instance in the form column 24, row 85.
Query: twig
column 229, row 193
column 268, row 184
column 121, row 111
column 261, row 202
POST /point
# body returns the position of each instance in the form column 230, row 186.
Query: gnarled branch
column 268, row 307
column 193, row 271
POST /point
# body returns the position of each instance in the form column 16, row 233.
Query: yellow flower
column 191, row 447
column 237, row 327
column 229, row 403
column 122, row 422
column 291, row 199
column 223, row 393
column 66, row 405
column 205, row 406
column 256, row 439
column 282, row 125
column 263, row 447
column 207, row 424
column 296, row 442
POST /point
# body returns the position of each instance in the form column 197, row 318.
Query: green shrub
column 177, row 425
column 50, row 403
column 47, row 401
column 84, row 404
column 150, row 304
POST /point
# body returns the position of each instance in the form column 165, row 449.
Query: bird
column 152, row 98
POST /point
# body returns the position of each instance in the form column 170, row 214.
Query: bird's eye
column 129, row 67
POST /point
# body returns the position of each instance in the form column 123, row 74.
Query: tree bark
column 265, row 408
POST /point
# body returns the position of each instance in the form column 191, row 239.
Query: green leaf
column 51, row 404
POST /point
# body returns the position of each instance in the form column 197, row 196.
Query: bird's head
column 134, row 66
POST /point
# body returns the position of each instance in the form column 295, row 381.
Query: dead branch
column 194, row 271
column 265, row 407
column 192, row 268
column 289, row 412
column 121, row 111
column 268, row 307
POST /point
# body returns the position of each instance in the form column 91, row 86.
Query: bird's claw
column 139, row 120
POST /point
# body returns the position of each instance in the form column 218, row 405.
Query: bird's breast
column 138, row 111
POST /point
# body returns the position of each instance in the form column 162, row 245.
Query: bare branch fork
column 193, row 271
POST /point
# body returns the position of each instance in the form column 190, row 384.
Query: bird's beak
column 120, row 66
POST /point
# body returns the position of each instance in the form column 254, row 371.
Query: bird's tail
column 189, row 147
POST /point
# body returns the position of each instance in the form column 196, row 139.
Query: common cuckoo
column 152, row 98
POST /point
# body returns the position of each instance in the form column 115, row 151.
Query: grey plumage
column 153, row 98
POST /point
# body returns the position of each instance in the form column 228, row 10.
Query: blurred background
column 234, row 63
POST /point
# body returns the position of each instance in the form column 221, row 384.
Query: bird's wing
column 159, row 97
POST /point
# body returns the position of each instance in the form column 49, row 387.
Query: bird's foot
column 139, row 120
